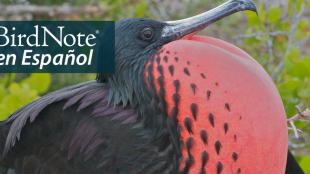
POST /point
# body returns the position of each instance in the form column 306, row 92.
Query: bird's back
column 74, row 130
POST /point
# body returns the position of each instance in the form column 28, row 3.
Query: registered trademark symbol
column 97, row 31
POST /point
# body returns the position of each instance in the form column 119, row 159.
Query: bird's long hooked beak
column 190, row 26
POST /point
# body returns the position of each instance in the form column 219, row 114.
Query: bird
column 292, row 165
column 119, row 123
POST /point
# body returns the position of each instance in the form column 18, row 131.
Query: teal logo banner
column 57, row 46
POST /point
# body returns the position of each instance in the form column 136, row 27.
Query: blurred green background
column 279, row 39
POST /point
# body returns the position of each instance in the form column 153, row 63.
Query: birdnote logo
column 46, row 59
column 57, row 47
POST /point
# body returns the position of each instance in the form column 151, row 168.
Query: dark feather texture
column 204, row 136
column 204, row 159
column 218, row 146
column 86, row 145
column 225, row 128
column 188, row 124
column 211, row 119
column 292, row 166
column 219, row 167
column 194, row 109
column 235, row 156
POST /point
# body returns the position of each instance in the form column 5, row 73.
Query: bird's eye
column 147, row 33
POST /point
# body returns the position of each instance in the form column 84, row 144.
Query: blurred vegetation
column 284, row 30
column 14, row 95
column 279, row 39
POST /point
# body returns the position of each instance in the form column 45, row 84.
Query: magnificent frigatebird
column 117, row 123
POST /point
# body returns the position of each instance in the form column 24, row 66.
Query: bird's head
column 136, row 39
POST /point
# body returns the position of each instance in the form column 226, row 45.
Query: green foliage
column 293, row 80
column 60, row 80
column 252, row 18
column 134, row 8
column 13, row 95
column 296, row 75
column 304, row 163
column 302, row 24
column 38, row 81
column 274, row 14
column 301, row 70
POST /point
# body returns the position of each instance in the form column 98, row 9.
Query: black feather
column 226, row 127
column 189, row 142
column 188, row 163
column 219, row 167
column 177, row 85
column 194, row 109
column 203, row 76
column 227, row 106
column 188, row 124
column 204, row 158
column 166, row 59
column 151, row 82
column 174, row 112
column 160, row 81
column 186, row 71
column 203, row 171
column 235, row 156
column 176, row 98
column 158, row 60
column 208, row 94
column 211, row 119
column 292, row 166
column 171, row 69
column 218, row 146
column 193, row 87
column 172, row 127
column 160, row 70
column 189, row 145
column 204, row 136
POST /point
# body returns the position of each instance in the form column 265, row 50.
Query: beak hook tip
column 254, row 8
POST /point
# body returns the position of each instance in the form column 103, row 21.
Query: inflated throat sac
column 229, row 113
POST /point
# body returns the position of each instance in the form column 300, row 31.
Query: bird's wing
column 292, row 166
column 31, row 110
column 74, row 130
